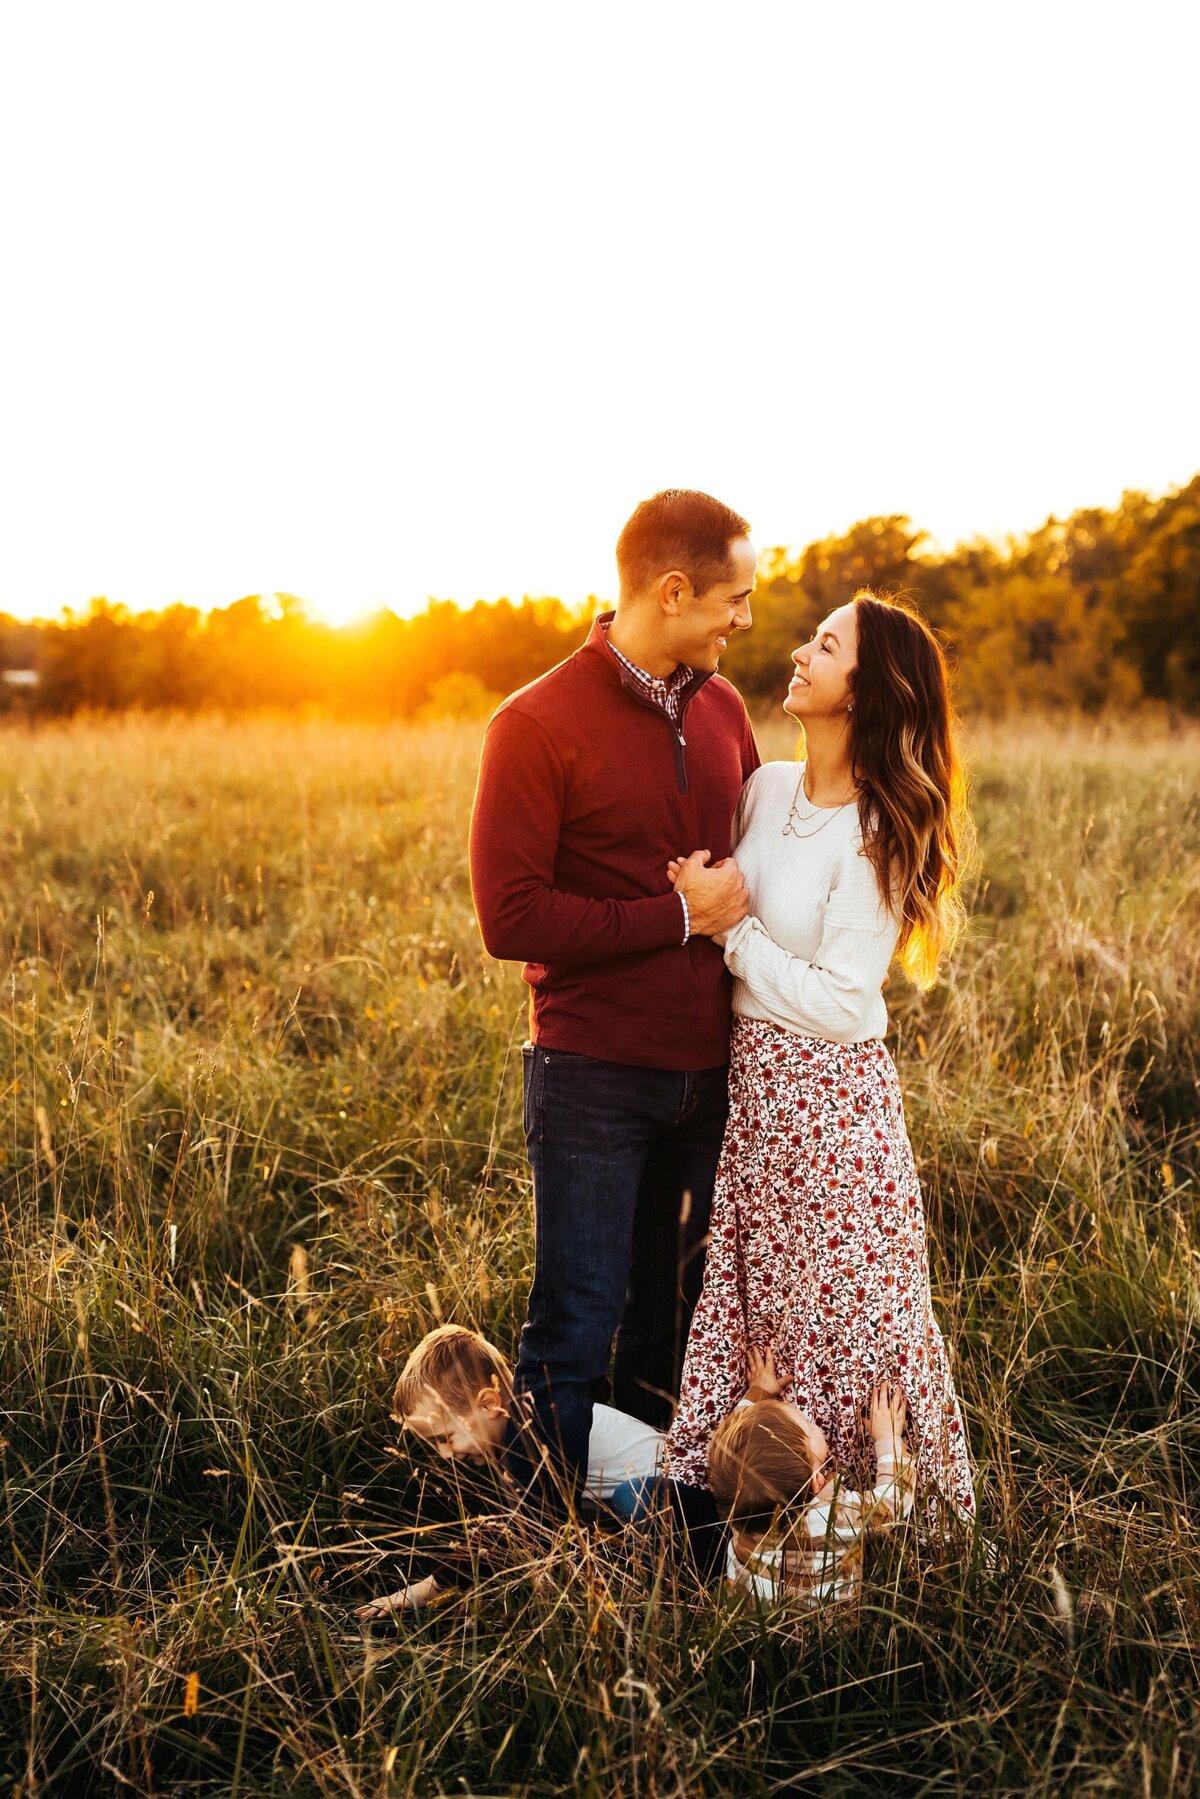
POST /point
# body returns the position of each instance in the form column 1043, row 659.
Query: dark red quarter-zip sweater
column 586, row 790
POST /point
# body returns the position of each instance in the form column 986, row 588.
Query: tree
column 1156, row 598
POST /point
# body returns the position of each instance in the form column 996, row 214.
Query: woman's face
column 820, row 686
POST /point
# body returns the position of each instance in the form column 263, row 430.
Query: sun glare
column 461, row 385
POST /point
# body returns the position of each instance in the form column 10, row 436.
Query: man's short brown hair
column 456, row 1365
column 678, row 529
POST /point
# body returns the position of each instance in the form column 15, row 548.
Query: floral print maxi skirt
column 817, row 1250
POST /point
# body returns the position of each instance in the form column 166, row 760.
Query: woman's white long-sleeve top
column 813, row 954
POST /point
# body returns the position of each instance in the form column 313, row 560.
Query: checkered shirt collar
column 664, row 690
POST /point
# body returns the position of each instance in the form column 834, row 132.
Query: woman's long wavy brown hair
column 912, row 789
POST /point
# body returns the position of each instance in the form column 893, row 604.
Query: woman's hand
column 888, row 1413
column 407, row 1599
column 765, row 1381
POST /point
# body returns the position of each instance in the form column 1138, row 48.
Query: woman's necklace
column 793, row 819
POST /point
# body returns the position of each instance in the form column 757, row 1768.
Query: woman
column 817, row 1248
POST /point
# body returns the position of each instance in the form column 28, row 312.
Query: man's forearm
column 531, row 922
column 516, row 825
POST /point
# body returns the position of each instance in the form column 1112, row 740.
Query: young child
column 455, row 1392
column 794, row 1528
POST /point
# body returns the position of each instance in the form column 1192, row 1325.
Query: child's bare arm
column 895, row 1479
column 406, row 1599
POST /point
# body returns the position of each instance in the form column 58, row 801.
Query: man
column 592, row 777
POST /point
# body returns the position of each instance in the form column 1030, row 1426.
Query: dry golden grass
column 263, row 1126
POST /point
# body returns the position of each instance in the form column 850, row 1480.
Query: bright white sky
column 370, row 302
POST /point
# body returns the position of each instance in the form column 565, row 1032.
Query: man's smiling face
column 704, row 623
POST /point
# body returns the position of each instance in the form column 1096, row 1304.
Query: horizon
column 929, row 547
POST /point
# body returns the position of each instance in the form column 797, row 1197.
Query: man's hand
column 765, row 1383
column 408, row 1599
column 888, row 1415
column 717, row 897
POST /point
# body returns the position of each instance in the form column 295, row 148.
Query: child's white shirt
column 620, row 1448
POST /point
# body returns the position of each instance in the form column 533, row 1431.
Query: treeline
column 1100, row 610
column 268, row 653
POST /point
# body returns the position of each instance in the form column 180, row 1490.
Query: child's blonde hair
column 761, row 1470
column 455, row 1364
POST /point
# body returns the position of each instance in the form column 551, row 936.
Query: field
column 262, row 1127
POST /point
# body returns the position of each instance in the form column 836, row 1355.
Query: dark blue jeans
column 679, row 1519
column 623, row 1164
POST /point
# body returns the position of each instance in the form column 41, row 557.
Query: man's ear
column 673, row 590
column 488, row 1400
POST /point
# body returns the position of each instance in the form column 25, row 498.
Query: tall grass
column 262, row 1128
